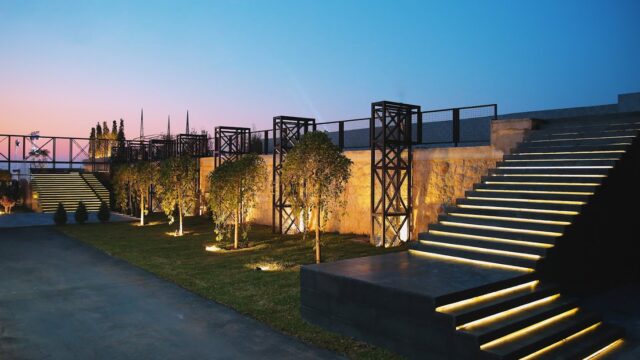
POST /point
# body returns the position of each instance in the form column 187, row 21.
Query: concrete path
column 42, row 219
column 62, row 299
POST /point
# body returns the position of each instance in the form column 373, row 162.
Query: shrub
column 104, row 213
column 60, row 216
column 81, row 214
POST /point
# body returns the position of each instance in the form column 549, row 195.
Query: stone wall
column 440, row 176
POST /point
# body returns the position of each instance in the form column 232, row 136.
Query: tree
column 144, row 174
column 81, row 214
column 114, row 130
column 92, row 142
column 177, row 185
column 60, row 216
column 315, row 173
column 122, row 186
column 233, row 189
column 104, row 213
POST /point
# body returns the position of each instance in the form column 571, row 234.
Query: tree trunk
column 318, row 260
column 142, row 210
column 236, row 226
column 180, row 217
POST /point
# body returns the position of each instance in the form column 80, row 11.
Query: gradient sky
column 66, row 64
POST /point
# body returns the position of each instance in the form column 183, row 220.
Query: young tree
column 81, row 215
column 114, row 130
column 315, row 173
column 104, row 213
column 233, row 189
column 60, row 216
column 92, row 142
column 122, row 181
column 144, row 175
column 177, row 185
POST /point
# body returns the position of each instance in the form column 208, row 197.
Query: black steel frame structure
column 230, row 143
column 287, row 131
column 391, row 156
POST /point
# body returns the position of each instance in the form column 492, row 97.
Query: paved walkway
column 41, row 219
column 62, row 299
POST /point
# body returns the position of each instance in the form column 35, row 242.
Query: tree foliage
column 144, row 174
column 104, row 213
column 315, row 173
column 60, row 216
column 81, row 215
column 233, row 189
column 122, row 180
column 177, row 185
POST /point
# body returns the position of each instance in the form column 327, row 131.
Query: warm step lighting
column 482, row 250
column 542, row 160
column 522, row 332
column 553, row 175
column 573, row 152
column 559, row 202
column 506, row 208
column 501, row 228
column 514, row 219
column 554, row 167
column 486, row 297
column 562, row 342
column 585, row 138
column 533, row 183
column 508, row 313
column 489, row 238
column 537, row 192
column 604, row 350
column 469, row 261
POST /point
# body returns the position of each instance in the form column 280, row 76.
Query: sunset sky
column 64, row 65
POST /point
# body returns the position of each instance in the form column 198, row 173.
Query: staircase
column 67, row 188
column 511, row 220
column 97, row 187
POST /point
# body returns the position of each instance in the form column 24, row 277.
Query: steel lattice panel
column 231, row 143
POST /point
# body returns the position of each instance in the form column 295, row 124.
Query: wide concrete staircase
column 69, row 189
column 512, row 219
column 479, row 261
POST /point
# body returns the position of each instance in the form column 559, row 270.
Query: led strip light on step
column 552, row 160
column 501, row 228
column 485, row 297
column 583, row 138
column 490, row 238
column 536, row 192
column 604, row 350
column 470, row 261
column 553, row 175
column 507, row 208
column 562, row 342
column 559, row 202
column 507, row 313
column 506, row 218
column 481, row 250
column 572, row 152
column 554, row 167
column 529, row 329
column 533, row 183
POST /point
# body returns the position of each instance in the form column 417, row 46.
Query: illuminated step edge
column 489, row 238
column 469, row 261
column 527, row 330
column 604, row 350
column 560, row 202
column 553, row 175
column 486, row 297
column 481, row 250
column 537, row 192
column 562, row 342
column 500, row 228
column 533, row 183
column 507, row 218
column 583, row 138
column 554, row 167
column 507, row 313
column 552, row 160
column 507, row 208
column 572, row 152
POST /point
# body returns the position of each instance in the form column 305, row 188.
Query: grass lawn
column 230, row 278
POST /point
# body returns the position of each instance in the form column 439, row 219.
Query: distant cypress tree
column 98, row 131
column 60, row 216
column 81, row 214
column 121, row 136
column 92, row 142
column 99, row 137
column 114, row 130
column 105, row 129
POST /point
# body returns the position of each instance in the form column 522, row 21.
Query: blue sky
column 66, row 64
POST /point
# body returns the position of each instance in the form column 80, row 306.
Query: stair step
column 538, row 187
column 564, row 157
column 597, row 140
column 527, row 197
column 510, row 214
column 507, row 226
column 581, row 133
column 494, row 235
column 557, row 172
column 560, row 147
column 485, row 243
column 523, row 264
column 543, row 337
column 531, row 206
column 557, row 164
column 482, row 309
column 585, row 124
column 582, row 344
column 533, row 180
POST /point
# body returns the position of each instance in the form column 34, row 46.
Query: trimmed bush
column 60, row 216
column 81, row 214
column 104, row 213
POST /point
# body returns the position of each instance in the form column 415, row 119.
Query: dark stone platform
column 390, row 300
